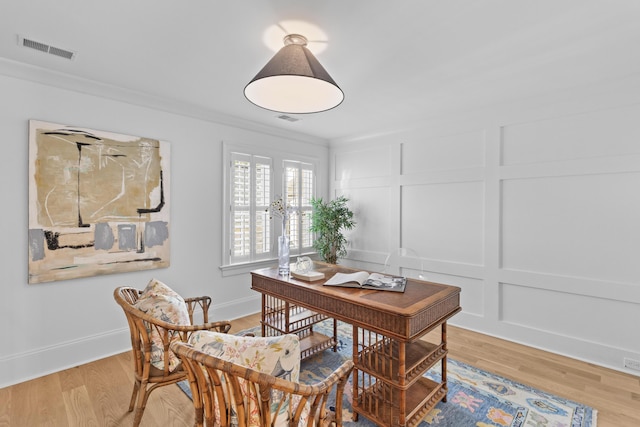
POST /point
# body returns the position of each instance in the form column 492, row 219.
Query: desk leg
column 444, row 359
column 263, row 315
column 354, row 374
column 402, row 361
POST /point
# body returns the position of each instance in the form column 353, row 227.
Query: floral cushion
column 162, row 302
column 278, row 356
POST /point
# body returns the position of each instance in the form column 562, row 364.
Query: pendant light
column 294, row 82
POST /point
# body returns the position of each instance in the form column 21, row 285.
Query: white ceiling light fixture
column 294, row 82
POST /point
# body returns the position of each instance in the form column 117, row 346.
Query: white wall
column 51, row 326
column 533, row 209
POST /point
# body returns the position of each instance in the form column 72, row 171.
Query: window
column 252, row 180
column 299, row 190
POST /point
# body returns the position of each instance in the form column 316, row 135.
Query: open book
column 364, row 280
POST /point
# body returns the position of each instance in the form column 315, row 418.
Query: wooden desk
column 390, row 358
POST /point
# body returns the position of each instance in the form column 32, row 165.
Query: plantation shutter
column 250, row 196
column 299, row 186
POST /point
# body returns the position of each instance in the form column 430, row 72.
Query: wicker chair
column 148, row 377
column 226, row 391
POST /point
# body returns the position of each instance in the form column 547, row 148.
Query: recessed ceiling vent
column 43, row 47
column 287, row 118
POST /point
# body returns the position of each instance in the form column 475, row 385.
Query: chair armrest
column 218, row 326
column 340, row 376
column 204, row 302
column 221, row 326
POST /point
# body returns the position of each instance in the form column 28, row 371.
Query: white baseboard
column 20, row 367
column 572, row 347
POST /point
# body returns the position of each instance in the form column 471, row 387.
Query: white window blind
column 251, row 181
column 299, row 186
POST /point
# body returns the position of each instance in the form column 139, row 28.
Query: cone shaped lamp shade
column 294, row 82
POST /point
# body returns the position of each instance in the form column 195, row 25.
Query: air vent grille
column 43, row 47
column 35, row 45
column 287, row 118
column 61, row 52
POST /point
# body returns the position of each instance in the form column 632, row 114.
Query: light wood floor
column 97, row 394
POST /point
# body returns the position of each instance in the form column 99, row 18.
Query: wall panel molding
column 559, row 222
column 615, row 291
column 443, row 177
column 605, row 165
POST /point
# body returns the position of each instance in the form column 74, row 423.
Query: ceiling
column 398, row 62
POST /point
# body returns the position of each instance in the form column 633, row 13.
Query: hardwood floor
column 97, row 394
column 615, row 395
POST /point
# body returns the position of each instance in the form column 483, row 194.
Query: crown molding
column 69, row 82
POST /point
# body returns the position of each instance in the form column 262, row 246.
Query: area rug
column 476, row 398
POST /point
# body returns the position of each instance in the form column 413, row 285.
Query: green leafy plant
column 328, row 220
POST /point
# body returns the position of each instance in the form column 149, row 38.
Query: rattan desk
column 390, row 357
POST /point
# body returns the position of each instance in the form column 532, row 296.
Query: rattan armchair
column 225, row 390
column 148, row 377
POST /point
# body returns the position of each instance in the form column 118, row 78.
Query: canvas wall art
column 98, row 202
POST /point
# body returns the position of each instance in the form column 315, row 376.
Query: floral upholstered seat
column 253, row 381
column 276, row 356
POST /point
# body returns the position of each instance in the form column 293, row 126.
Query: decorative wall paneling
column 538, row 221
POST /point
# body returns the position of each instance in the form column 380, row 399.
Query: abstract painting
column 98, row 203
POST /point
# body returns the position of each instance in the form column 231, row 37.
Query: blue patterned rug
column 476, row 398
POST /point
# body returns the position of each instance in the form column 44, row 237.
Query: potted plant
column 328, row 220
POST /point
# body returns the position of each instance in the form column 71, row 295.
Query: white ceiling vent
column 43, row 47
column 287, row 118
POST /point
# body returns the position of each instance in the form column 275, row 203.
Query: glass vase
column 283, row 256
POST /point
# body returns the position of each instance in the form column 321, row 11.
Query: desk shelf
column 389, row 387
column 280, row 317
column 381, row 402
column 383, row 360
